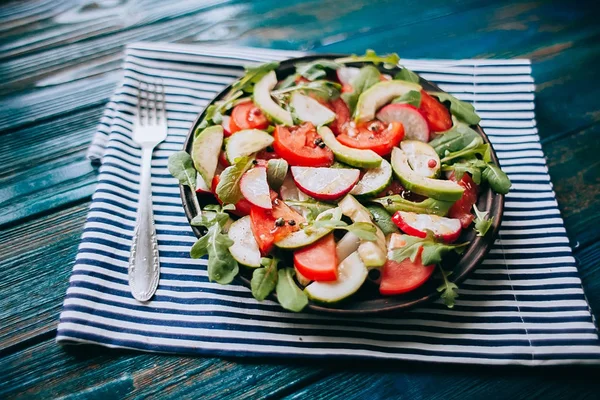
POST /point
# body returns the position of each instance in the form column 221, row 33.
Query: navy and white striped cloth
column 524, row 305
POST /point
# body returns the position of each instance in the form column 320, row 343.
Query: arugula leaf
column 316, row 69
column 482, row 221
column 407, row 75
column 214, row 112
column 253, row 75
column 411, row 97
column 396, row 203
column 471, row 151
column 264, row 279
column 433, row 250
column 389, row 60
column 289, row 294
column 382, row 219
column 456, row 138
column 228, row 189
column 461, row 109
column 367, row 77
column 497, row 179
column 364, row 230
column 222, row 267
column 181, row 166
column 473, row 166
column 313, row 207
column 324, row 89
column 276, row 171
column 448, row 290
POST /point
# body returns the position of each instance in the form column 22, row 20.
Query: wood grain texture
column 60, row 63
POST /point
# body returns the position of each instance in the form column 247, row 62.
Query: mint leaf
column 497, row 179
column 407, row 75
column 181, row 166
column 448, row 290
column 289, row 294
column 264, row 279
column 389, row 60
column 462, row 110
column 482, row 221
column 228, row 189
column 367, row 77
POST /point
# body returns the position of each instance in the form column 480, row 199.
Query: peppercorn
column 279, row 222
column 390, row 202
column 321, row 145
column 254, row 162
column 318, row 141
column 292, row 222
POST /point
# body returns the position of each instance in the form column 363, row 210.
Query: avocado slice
column 354, row 157
column 435, row 188
column 262, row 98
column 379, row 95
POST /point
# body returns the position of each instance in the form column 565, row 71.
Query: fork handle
column 144, row 260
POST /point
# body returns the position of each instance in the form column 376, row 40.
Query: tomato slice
column 461, row 209
column 437, row 115
column 342, row 115
column 247, row 116
column 405, row 276
column 318, row 262
column 297, row 146
column 373, row 135
column 265, row 230
column 242, row 207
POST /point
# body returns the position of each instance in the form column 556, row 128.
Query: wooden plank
column 574, row 164
column 36, row 261
column 416, row 381
column 46, row 370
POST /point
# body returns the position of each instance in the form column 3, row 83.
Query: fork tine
column 143, row 103
column 162, row 102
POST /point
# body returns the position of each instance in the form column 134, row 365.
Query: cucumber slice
column 301, row 238
column 374, row 253
column 307, row 109
column 262, row 98
column 352, row 273
column 244, row 248
column 379, row 95
column 205, row 151
column 420, row 155
column 354, row 157
column 246, row 142
column 373, row 181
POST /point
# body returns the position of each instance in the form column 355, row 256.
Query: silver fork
column 149, row 129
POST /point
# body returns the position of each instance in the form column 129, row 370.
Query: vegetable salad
column 324, row 175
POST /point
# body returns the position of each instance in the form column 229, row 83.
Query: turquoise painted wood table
column 60, row 63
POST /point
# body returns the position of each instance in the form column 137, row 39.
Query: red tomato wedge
column 242, row 207
column 318, row 262
column 247, row 116
column 342, row 115
column 297, row 146
column 264, row 229
column 437, row 115
column 374, row 135
column 462, row 208
column 405, row 276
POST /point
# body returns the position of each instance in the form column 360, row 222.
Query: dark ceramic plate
column 367, row 300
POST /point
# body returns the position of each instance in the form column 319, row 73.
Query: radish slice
column 201, row 186
column 346, row 74
column 225, row 125
column 325, row 183
column 447, row 229
column 415, row 125
column 255, row 188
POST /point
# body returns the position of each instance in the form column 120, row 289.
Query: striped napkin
column 524, row 305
